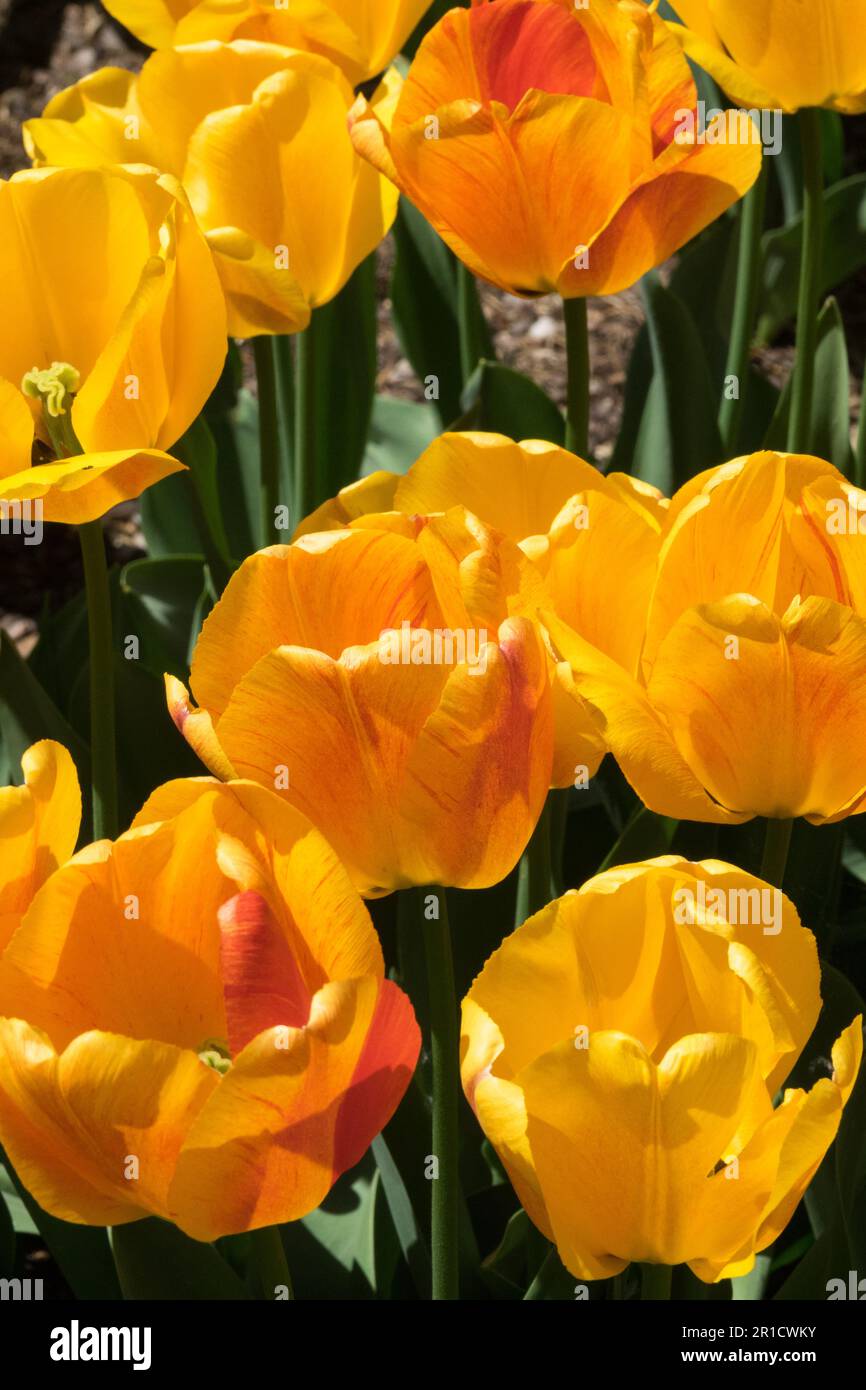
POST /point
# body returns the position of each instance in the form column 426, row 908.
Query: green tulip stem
column 800, row 424
column 103, row 760
column 445, row 1057
column 655, row 1282
column 860, row 450
column 776, row 845
column 306, row 459
column 749, row 259
column 470, row 322
column 535, row 880
column 269, row 1264
column 269, row 437
column 577, row 390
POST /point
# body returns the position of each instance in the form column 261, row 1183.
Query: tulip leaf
column 412, row 1244
column 197, row 449
column 553, row 1281
column 81, row 1253
column 27, row 714
column 424, row 296
column 342, row 345
column 831, row 411
column 844, row 252
column 499, row 399
column 8, row 1240
column 399, row 432
column 645, row 836
column 235, row 430
column 157, row 1261
column 160, row 604
column 347, row 1247
column 21, row 1219
column 167, row 517
column 678, row 435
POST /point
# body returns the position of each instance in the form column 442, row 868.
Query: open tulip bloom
column 216, row 1058
column 622, row 1051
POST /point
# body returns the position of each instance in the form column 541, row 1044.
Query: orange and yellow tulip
column 257, row 135
column 544, row 144
column 386, row 680
column 573, row 523
column 780, row 53
column 751, row 692
column 104, row 389
column 39, row 824
column 360, row 36
column 622, row 1050
column 195, row 1023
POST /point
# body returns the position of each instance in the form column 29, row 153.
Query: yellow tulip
column 387, row 682
column 360, row 36
column 195, row 1023
column 750, row 696
column 780, row 53
column 257, row 136
column 545, row 143
column 575, row 525
column 39, row 824
column 112, row 339
column 622, row 1050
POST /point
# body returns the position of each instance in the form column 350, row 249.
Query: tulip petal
column 266, row 1148
column 16, row 431
column 622, row 1147
column 262, row 984
column 38, row 828
column 95, row 1133
column 196, row 725
column 635, row 733
column 767, row 713
column 85, row 488
column 374, row 493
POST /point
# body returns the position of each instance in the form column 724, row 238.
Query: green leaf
column 168, row 517
column 8, row 1239
column 160, row 605
column 82, row 1253
column 424, row 296
column 235, row 431
column 344, row 347
column 27, row 715
column 645, row 836
column 197, row 449
column 347, row 1247
column 399, row 432
column 412, row 1244
column 844, row 252
column 499, row 399
column 21, row 1219
column 831, row 411
column 678, row 435
column 157, row 1261
column 552, row 1281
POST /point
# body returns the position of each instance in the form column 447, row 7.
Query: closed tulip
column 113, row 335
column 256, row 133
column 39, row 824
column 571, row 521
column 360, row 36
column 750, row 696
column 781, row 53
column 389, row 684
column 195, row 1023
column 545, row 144
column 622, row 1050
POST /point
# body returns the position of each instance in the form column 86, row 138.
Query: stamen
column 214, row 1052
column 54, row 386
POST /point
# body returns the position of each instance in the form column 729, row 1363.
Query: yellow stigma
column 54, row 386
column 215, row 1053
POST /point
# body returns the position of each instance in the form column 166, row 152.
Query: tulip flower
column 780, row 53
column 571, row 521
column 622, row 1050
column 750, row 696
column 257, row 135
column 195, row 1023
column 539, row 139
column 389, row 684
column 38, row 828
column 360, row 36
column 107, row 390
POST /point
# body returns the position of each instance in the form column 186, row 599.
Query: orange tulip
column 546, row 144
column 387, row 681
column 572, row 522
column 195, row 1023
column 38, row 828
column 752, row 684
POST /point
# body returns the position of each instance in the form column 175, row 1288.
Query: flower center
column 214, row 1052
column 55, row 387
